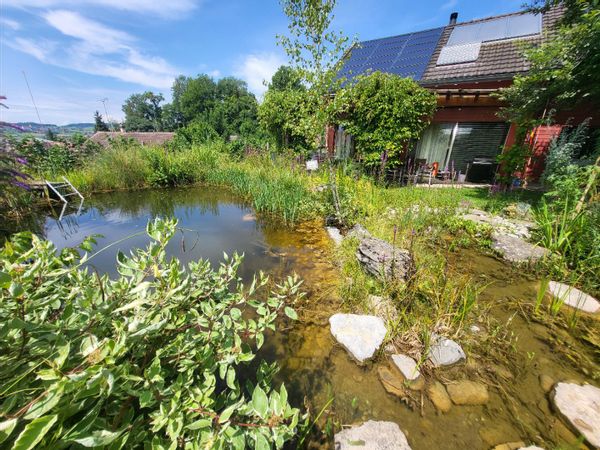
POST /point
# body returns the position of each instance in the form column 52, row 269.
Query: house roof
column 406, row 55
column 145, row 138
column 497, row 59
column 483, row 49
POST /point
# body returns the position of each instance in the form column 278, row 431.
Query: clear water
column 313, row 367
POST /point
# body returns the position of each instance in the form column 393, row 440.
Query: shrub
column 151, row 359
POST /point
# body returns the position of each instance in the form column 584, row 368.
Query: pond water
column 316, row 370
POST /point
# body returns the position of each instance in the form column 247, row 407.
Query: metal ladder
column 55, row 186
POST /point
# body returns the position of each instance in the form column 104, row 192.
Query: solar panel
column 454, row 54
column 497, row 29
column 407, row 55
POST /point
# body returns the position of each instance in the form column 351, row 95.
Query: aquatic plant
column 157, row 357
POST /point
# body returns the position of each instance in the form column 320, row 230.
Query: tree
column 197, row 97
column 316, row 54
column 383, row 112
column 282, row 114
column 143, row 112
column 99, row 124
column 285, row 79
column 565, row 69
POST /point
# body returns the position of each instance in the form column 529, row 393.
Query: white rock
column 444, row 351
column 573, row 297
column 474, row 329
column 531, row 447
column 335, row 235
column 516, row 249
column 407, row 366
column 360, row 335
column 372, row 435
column 580, row 406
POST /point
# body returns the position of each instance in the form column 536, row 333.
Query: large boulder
column 516, row 249
column 573, row 297
column 381, row 259
column 579, row 405
column 360, row 335
column 372, row 435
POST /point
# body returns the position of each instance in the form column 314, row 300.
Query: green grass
column 271, row 185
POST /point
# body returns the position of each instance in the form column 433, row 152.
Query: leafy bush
column 156, row 358
column 566, row 171
column 383, row 112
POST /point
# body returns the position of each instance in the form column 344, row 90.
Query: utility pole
column 103, row 101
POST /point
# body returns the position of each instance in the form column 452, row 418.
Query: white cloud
column 96, row 49
column 38, row 49
column 171, row 9
column 255, row 69
column 97, row 36
column 5, row 22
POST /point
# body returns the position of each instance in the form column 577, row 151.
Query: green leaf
column 5, row 280
column 98, row 438
column 260, row 402
column 15, row 289
column 261, row 442
column 226, row 414
column 63, row 353
column 199, row 424
column 47, row 402
column 6, row 428
column 290, row 313
column 34, row 432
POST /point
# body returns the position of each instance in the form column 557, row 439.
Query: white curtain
column 433, row 146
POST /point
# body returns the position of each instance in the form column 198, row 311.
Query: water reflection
column 211, row 222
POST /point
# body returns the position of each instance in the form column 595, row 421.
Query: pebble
column 546, row 382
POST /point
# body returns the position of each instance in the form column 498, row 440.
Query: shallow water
column 312, row 366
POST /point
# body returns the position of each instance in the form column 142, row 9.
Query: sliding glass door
column 434, row 146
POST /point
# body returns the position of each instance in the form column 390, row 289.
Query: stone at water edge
column 531, row 447
column 546, row 382
column 573, row 297
column 335, row 235
column 360, row 335
column 466, row 392
column 382, row 260
column 392, row 383
column 444, row 351
column 439, row 396
column 371, row 435
column 382, row 307
column 579, row 405
column 407, row 366
column 517, row 250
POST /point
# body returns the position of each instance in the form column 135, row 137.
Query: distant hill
column 37, row 128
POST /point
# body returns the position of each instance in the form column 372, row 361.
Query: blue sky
column 77, row 52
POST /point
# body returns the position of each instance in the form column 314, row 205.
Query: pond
column 313, row 367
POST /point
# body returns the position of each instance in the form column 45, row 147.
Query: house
column 464, row 64
column 104, row 138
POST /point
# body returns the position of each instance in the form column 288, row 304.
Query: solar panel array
column 406, row 55
column 465, row 40
column 497, row 29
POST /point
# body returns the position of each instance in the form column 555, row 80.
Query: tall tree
column 143, row 112
column 197, row 97
column 316, row 52
column 286, row 78
column 99, row 124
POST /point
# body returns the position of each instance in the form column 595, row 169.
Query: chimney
column 453, row 18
